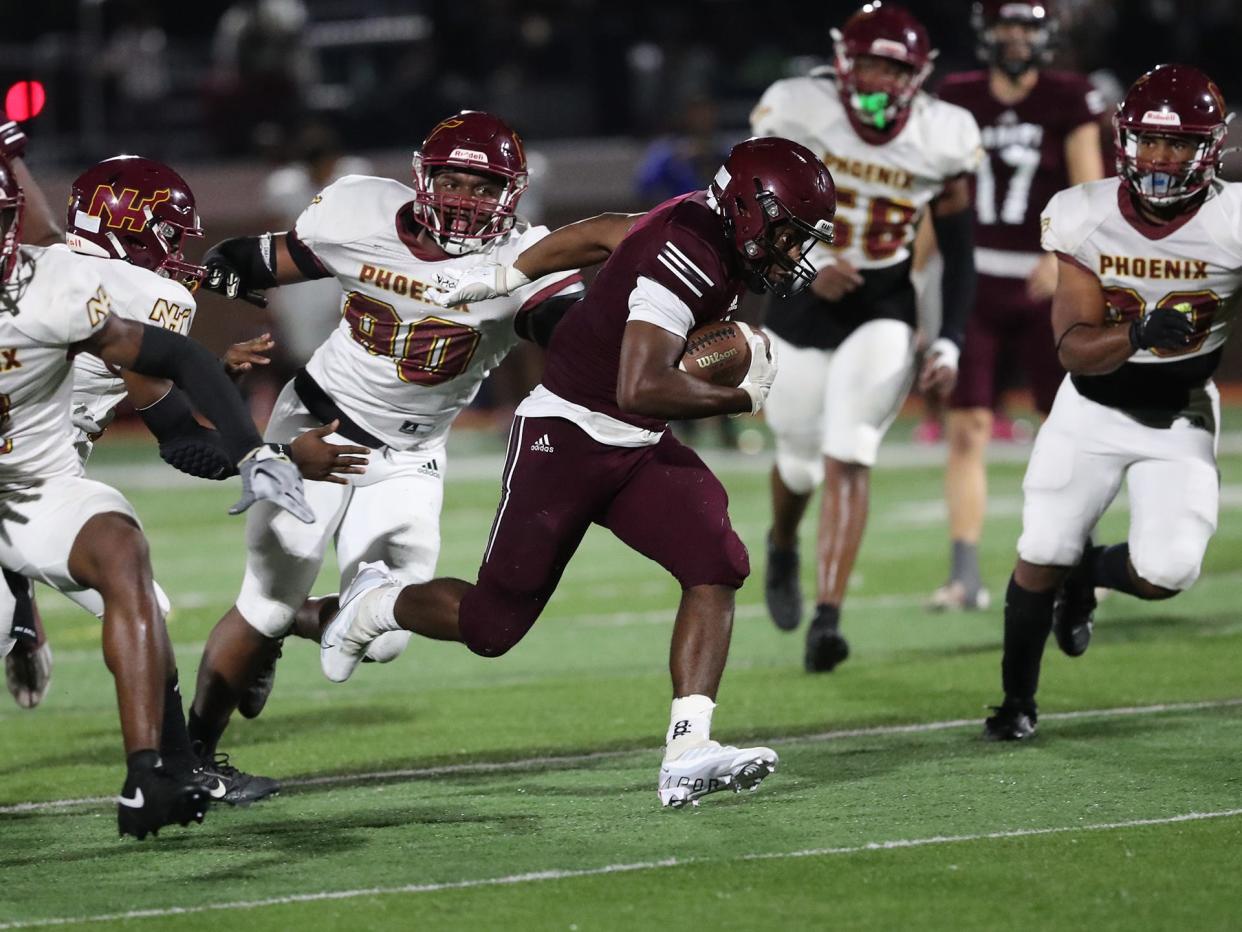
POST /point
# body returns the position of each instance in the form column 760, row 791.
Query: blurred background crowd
column 260, row 103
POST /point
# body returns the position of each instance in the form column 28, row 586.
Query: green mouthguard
column 873, row 105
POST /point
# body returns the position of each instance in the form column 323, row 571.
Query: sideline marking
column 569, row 760
column 554, row 874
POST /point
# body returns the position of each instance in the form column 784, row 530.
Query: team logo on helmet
column 128, row 210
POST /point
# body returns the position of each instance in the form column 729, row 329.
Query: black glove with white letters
column 1164, row 328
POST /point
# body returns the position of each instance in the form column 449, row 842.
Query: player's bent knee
column 492, row 620
column 723, row 562
column 1169, row 576
column 271, row 617
column 856, row 446
column 801, row 474
column 1041, row 550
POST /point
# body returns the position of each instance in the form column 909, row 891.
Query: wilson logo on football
column 1162, row 118
column 711, row 359
column 121, row 211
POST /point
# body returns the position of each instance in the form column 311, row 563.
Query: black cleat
column 1012, row 721
column 255, row 697
column 155, row 798
column 782, row 589
column 1073, row 611
column 224, row 783
column 825, row 645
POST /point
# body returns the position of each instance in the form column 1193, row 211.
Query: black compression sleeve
column 306, row 261
column 169, row 417
column 538, row 323
column 247, row 256
column 168, row 355
column 955, row 236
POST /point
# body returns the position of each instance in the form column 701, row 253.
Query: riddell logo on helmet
column 1162, row 118
column 887, row 48
column 125, row 210
column 469, row 155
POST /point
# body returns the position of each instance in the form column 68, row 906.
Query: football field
column 448, row 791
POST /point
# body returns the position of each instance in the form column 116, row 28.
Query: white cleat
column 28, row 674
column 710, row 768
column 952, row 596
column 350, row 632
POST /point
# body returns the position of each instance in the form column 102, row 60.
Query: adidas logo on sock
column 543, row 445
column 430, row 468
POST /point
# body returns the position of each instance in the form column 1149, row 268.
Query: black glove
column 12, row 140
column 1164, row 328
column 237, row 268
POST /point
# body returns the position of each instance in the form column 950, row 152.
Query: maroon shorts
column 1007, row 331
column 661, row 500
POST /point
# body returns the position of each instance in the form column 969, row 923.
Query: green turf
column 591, row 679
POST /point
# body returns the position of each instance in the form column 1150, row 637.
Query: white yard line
column 572, row 760
column 571, row 874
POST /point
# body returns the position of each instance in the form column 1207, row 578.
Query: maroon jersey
column 1025, row 148
column 680, row 245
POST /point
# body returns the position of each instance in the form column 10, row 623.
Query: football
column 718, row 353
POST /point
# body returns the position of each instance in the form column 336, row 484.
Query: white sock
column 690, row 724
column 375, row 614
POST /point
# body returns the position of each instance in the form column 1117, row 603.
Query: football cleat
column 1011, row 721
column 224, row 783
column 254, row 698
column 782, row 588
column 155, row 798
column 28, row 673
column 1073, row 610
column 710, row 768
column 952, row 596
column 826, row 647
column 346, row 638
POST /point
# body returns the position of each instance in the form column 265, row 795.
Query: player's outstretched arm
column 267, row 473
column 575, row 246
column 39, row 226
column 1087, row 344
column 246, row 266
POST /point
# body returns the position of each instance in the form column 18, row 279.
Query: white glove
column 480, row 283
column 943, row 354
column 762, row 371
column 268, row 474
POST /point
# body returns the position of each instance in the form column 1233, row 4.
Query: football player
column 1041, row 134
column 393, row 376
column 73, row 533
column 848, row 344
column 1149, row 281
column 590, row 444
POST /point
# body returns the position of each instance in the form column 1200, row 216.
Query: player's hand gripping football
column 939, row 373
column 463, row 286
column 269, row 475
column 762, row 371
column 12, row 140
column 320, row 461
column 242, row 357
column 1166, row 328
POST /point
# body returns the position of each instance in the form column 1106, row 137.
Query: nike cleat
column 1011, row 721
column 28, row 673
column 224, row 783
column 711, row 768
column 782, row 589
column 350, row 633
column 154, row 798
column 254, row 698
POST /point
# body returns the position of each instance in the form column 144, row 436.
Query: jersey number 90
column 426, row 352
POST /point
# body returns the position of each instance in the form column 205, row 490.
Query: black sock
column 174, row 737
column 1111, row 569
column 1028, row 620
column 965, row 566
column 827, row 616
column 23, row 629
column 203, row 737
column 142, row 761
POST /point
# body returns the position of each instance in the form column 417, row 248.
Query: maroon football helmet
column 1037, row 16
column 767, row 188
column 1170, row 100
column 138, row 210
column 881, row 30
column 12, row 206
column 482, row 144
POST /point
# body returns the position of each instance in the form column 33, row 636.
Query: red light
column 24, row 100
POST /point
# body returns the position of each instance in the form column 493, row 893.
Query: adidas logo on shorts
column 430, row 468
column 543, row 445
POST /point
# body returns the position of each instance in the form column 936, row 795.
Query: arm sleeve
column 955, row 237
column 197, row 372
column 652, row 303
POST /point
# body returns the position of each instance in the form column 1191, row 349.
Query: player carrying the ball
column 590, row 445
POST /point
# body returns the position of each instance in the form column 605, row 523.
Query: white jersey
column 137, row 294
column 882, row 190
column 61, row 300
column 397, row 364
column 1195, row 267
